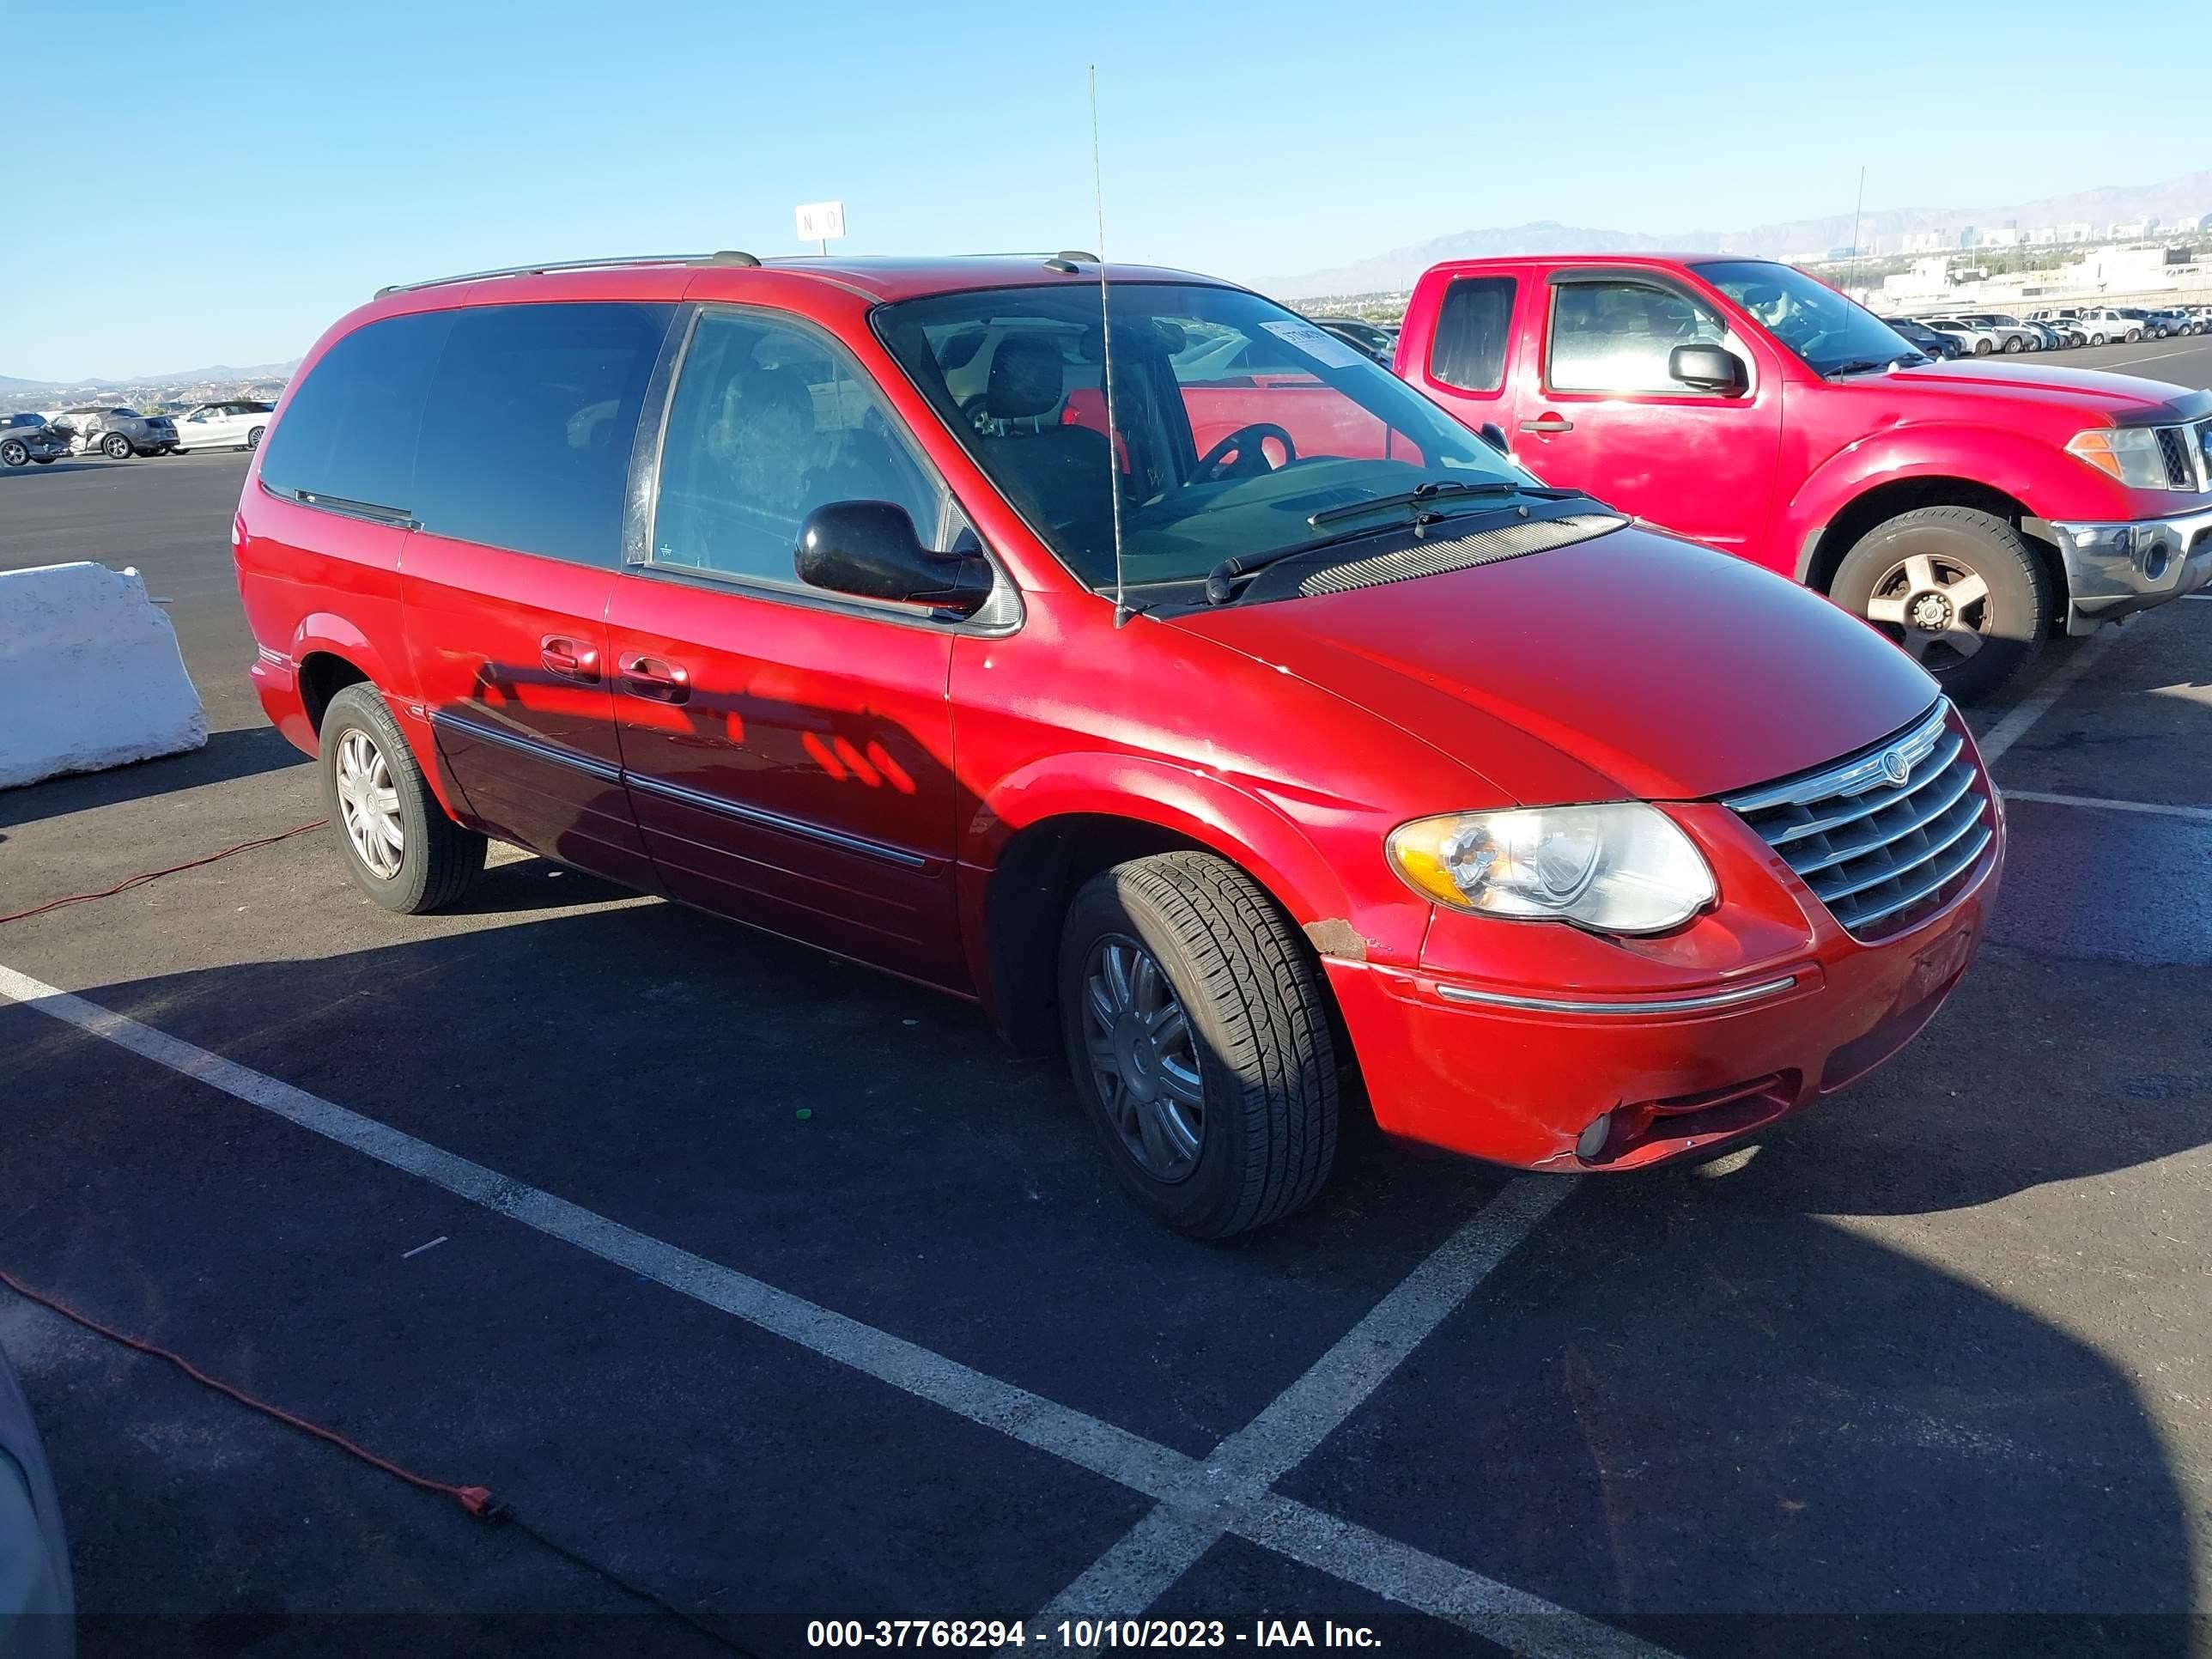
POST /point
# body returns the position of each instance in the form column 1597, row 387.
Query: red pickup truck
column 1967, row 509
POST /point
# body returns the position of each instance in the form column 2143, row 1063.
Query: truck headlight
column 1622, row 867
column 2130, row 453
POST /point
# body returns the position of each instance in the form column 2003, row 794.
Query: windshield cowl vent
column 1433, row 557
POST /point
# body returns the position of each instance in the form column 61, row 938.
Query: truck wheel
column 1196, row 1028
column 2134, row 335
column 398, row 845
column 115, row 446
column 1958, row 588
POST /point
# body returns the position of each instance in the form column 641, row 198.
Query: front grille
column 2205, row 451
column 2173, row 450
column 1879, row 854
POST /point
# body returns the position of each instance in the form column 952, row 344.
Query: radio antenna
column 1122, row 612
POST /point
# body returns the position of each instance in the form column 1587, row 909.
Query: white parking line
column 1164, row 1546
column 2159, row 808
column 1186, row 1491
column 2014, row 726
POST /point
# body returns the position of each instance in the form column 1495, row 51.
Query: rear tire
column 42, row 460
column 115, row 446
column 2134, row 335
column 436, row 861
column 1241, row 1015
column 253, row 437
column 1958, row 589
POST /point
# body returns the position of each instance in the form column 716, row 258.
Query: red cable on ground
column 145, row 876
column 476, row 1500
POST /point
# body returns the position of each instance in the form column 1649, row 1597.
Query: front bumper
column 1521, row 1080
column 2115, row 569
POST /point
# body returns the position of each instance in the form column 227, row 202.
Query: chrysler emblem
column 1894, row 765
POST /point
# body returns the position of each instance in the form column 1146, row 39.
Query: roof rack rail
column 720, row 256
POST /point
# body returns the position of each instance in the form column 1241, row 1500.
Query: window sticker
column 1317, row 344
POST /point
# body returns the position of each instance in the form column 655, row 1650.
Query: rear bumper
column 1455, row 1066
column 2116, row 569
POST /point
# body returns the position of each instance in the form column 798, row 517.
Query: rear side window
column 527, row 429
column 349, row 429
column 1469, row 349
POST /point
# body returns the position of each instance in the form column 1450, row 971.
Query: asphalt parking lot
column 523, row 1197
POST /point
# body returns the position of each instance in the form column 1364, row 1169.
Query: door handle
column 655, row 680
column 569, row 659
column 1548, row 423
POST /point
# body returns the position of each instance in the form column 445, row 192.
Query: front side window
column 1832, row 335
column 1473, row 327
column 529, row 424
column 349, row 429
column 1234, row 421
column 1617, row 336
column 771, row 420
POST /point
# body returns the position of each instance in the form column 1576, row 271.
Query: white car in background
column 2104, row 325
column 1973, row 342
column 235, row 425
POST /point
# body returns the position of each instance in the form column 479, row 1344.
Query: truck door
column 1596, row 407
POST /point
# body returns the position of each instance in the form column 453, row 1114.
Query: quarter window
column 769, row 421
column 1472, row 324
column 1617, row 336
column 349, row 429
column 529, row 424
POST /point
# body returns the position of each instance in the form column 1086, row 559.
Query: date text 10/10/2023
column 1084, row 1634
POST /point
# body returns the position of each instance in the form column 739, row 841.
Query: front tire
column 115, row 446
column 1197, row 1033
column 2014, row 343
column 1958, row 589
column 15, row 453
column 2134, row 335
column 398, row 844
column 1982, row 348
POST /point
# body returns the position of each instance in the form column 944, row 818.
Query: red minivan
column 1241, row 723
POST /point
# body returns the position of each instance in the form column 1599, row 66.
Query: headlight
column 2130, row 453
column 1619, row 868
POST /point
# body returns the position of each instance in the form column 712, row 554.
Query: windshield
column 1235, row 421
column 1830, row 333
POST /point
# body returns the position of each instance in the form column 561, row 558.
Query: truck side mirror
column 1493, row 434
column 1708, row 367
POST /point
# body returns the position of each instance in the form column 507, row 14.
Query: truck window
column 1616, row 335
column 1469, row 349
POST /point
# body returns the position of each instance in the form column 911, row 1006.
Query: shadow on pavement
column 227, row 755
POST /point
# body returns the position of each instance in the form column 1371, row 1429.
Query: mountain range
column 13, row 386
column 2178, row 199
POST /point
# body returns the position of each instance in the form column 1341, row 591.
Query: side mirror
column 870, row 549
column 1493, row 434
column 1708, row 367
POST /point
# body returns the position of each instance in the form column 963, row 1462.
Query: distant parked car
column 2009, row 332
column 38, row 1602
column 1376, row 343
column 118, row 432
column 1973, row 342
column 2175, row 320
column 2106, row 326
column 1921, row 337
column 235, row 425
column 2151, row 326
column 25, row 438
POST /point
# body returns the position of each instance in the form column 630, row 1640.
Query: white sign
column 820, row 221
column 1316, row 343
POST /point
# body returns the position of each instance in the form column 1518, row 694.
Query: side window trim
column 1002, row 614
column 1658, row 282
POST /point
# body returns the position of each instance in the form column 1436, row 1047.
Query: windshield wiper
column 1863, row 365
column 1422, row 494
column 1220, row 580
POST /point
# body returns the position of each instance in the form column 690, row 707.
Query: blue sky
column 227, row 178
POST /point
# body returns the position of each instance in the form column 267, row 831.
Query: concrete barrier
column 90, row 675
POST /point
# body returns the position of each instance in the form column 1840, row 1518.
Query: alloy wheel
column 1144, row 1058
column 369, row 804
column 115, row 446
column 13, row 453
column 1936, row 608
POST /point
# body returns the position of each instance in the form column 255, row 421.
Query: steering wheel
column 1251, row 459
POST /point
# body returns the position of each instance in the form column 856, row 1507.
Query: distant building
column 1969, row 237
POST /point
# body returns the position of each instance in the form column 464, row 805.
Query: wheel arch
column 1837, row 506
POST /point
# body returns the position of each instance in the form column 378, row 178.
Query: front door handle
column 1548, row 423
column 655, row 680
column 569, row 659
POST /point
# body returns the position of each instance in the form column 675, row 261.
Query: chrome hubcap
column 1936, row 609
column 1143, row 1058
column 369, row 805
